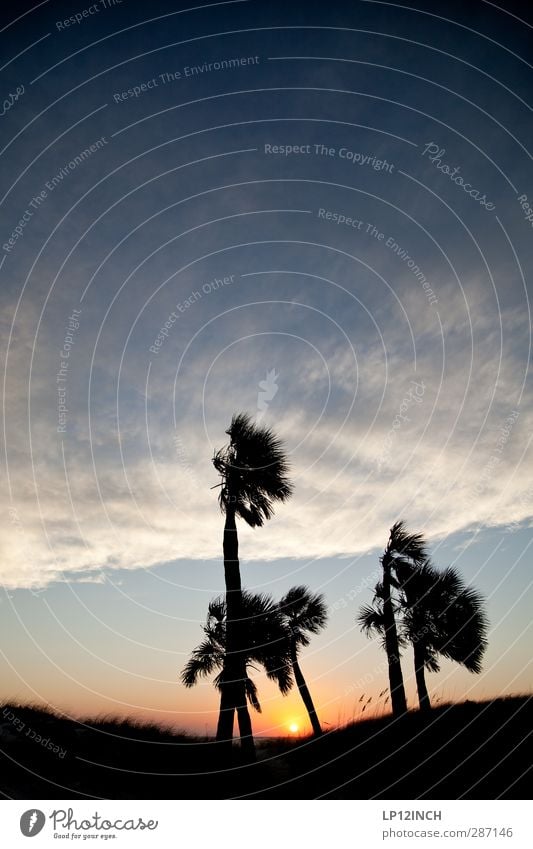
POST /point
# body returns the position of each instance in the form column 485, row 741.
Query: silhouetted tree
column 254, row 474
column 408, row 550
column 437, row 614
column 304, row 613
column 441, row 616
column 371, row 618
column 264, row 642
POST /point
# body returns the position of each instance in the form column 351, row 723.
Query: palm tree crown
column 445, row 615
column 254, row 471
column 305, row 613
column 403, row 547
column 264, row 643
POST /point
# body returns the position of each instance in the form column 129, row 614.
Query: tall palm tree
column 264, row 642
column 402, row 549
column 371, row 618
column 304, row 613
column 254, row 473
column 442, row 616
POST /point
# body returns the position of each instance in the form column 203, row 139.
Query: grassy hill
column 471, row 750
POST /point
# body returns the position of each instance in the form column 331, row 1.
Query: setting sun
column 294, row 728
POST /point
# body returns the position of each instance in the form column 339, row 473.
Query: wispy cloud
column 134, row 488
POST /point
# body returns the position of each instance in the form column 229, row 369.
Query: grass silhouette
column 474, row 750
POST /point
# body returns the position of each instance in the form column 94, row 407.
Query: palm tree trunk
column 234, row 690
column 397, row 690
column 225, row 718
column 423, row 695
column 233, row 588
column 245, row 730
column 304, row 692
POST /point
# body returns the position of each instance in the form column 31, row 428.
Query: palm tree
column 264, row 642
column 442, row 616
column 371, row 618
column 254, row 474
column 402, row 549
column 304, row 613
column 438, row 615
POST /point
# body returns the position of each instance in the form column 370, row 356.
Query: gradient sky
column 190, row 266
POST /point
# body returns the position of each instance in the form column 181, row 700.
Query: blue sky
column 377, row 316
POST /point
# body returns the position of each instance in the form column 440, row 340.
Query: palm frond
column 279, row 670
column 445, row 615
column 371, row 620
column 402, row 543
column 216, row 609
column 205, row 659
column 430, row 657
column 304, row 611
column 452, row 582
column 251, row 694
column 466, row 632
